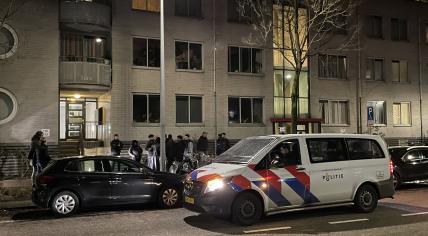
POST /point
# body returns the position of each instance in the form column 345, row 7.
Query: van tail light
column 391, row 167
column 45, row 180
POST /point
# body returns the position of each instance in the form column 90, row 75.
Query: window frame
column 189, row 110
column 329, row 112
column 188, row 10
column 372, row 61
column 240, row 60
column 400, row 79
column 147, row 53
column 410, row 114
column 147, row 109
column 385, row 113
column 188, row 55
column 245, row 20
column 15, row 105
column 327, row 69
column 364, row 139
column 240, row 110
column 144, row 10
column 401, row 37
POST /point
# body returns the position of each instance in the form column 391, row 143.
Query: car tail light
column 391, row 167
column 45, row 180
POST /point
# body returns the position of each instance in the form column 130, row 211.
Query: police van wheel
column 247, row 209
column 366, row 199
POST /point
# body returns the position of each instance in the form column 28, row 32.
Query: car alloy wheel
column 65, row 204
column 170, row 197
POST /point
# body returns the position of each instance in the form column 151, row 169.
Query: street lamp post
column 162, row 87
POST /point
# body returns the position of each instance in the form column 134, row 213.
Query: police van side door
column 329, row 170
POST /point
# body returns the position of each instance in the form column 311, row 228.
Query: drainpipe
column 420, row 77
column 214, row 77
column 358, row 81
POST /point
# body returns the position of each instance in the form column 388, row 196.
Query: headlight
column 214, row 185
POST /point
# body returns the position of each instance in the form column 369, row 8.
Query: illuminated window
column 146, row 5
column 401, row 113
column 334, row 112
column 399, row 71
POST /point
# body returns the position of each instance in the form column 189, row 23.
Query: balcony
column 86, row 16
column 89, row 74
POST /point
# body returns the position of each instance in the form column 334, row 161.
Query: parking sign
column 370, row 115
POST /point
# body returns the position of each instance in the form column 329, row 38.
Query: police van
column 266, row 175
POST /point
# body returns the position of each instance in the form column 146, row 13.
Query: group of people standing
column 176, row 150
column 38, row 155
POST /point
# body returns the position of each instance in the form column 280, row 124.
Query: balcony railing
column 82, row 73
column 87, row 16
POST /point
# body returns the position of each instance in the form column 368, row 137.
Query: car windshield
column 244, row 150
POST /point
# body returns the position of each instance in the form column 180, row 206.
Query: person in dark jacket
column 43, row 156
column 180, row 146
column 135, row 151
column 202, row 145
column 170, row 151
column 116, row 146
column 33, row 155
column 222, row 143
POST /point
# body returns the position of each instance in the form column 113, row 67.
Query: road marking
column 347, row 221
column 265, row 230
column 416, row 214
column 6, row 221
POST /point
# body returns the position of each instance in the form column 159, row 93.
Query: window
column 8, row 106
column 326, row 150
column 146, row 108
column 335, row 112
column 401, row 113
column 234, row 15
column 332, row 66
column 364, row 149
column 83, row 48
column 413, row 157
column 146, row 52
column 378, row 112
column 188, row 56
column 374, row 69
column 188, row 109
column 287, row 153
column 245, row 110
column 373, row 27
column 399, row 71
column 191, row 8
column 87, row 166
column 146, row 5
column 399, row 29
column 245, row 60
column 124, row 167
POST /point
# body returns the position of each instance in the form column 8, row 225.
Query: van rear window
column 364, row 149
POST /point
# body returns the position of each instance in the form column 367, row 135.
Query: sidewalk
column 16, row 204
column 15, row 193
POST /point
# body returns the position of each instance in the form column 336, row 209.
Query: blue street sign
column 370, row 114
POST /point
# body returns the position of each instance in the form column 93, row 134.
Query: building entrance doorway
column 78, row 118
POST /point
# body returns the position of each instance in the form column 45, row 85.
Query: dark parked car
column 75, row 182
column 410, row 164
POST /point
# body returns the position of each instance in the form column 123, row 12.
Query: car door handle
column 300, row 168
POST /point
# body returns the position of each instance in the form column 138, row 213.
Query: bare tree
column 306, row 27
column 9, row 9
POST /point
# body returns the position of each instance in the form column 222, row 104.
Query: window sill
column 376, row 125
column 246, row 74
column 190, row 71
column 134, row 124
column 190, row 124
column 145, row 68
column 375, row 81
column 402, row 126
column 398, row 82
column 335, row 125
column 330, row 78
column 246, row 125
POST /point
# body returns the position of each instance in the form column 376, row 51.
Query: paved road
column 407, row 214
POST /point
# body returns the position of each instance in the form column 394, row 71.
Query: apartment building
column 380, row 85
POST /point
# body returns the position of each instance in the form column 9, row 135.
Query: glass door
column 76, row 119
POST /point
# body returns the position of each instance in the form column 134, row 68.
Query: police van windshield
column 244, row 150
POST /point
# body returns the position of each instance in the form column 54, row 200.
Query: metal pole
column 215, row 78
column 162, row 88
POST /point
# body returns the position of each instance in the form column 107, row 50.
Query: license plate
column 189, row 200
